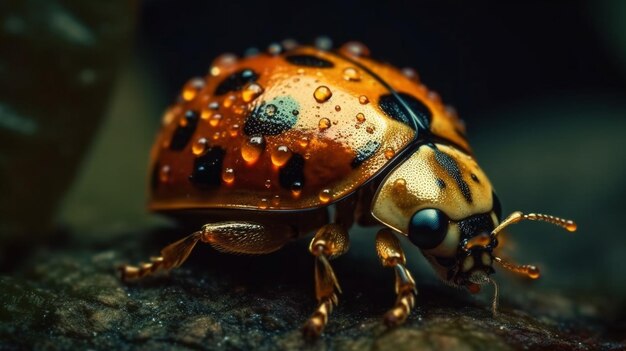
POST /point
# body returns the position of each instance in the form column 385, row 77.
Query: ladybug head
column 444, row 203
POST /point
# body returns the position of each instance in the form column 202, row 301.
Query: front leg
column 330, row 241
column 391, row 255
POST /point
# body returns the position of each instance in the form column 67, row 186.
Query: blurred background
column 541, row 86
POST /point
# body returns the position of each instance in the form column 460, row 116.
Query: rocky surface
column 70, row 297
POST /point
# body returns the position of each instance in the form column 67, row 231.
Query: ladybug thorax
column 437, row 177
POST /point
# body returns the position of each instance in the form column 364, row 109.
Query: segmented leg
column 329, row 242
column 391, row 255
column 232, row 237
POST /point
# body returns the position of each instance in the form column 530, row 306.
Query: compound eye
column 497, row 207
column 428, row 228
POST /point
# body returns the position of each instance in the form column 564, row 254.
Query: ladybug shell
column 289, row 131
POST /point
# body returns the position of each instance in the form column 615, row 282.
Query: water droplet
column 289, row 44
column 215, row 119
column 354, row 48
column 263, row 204
column 228, row 175
column 251, row 92
column 363, row 100
column 369, row 129
column 229, row 101
column 304, row 141
column 270, row 110
column 274, row 49
column 389, row 153
column 165, row 174
column 216, row 135
column 451, row 111
column 275, row 201
column 239, row 109
column 296, row 189
column 400, row 185
column 433, row 96
column 323, row 43
column 322, row 94
column 411, row 74
column 351, row 74
column 206, row 113
column 252, row 148
column 234, row 130
column 281, row 155
column 337, row 108
column 191, row 89
column 214, row 105
column 360, row 118
column 307, row 155
column 251, row 52
column 324, row 124
column 325, row 196
column 268, row 183
column 222, row 62
column 199, row 146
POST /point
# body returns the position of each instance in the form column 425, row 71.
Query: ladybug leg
column 232, row 237
column 391, row 255
column 330, row 241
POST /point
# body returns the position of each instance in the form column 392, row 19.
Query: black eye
column 428, row 228
column 497, row 207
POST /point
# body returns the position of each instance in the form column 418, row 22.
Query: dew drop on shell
column 281, row 155
column 351, row 74
column 252, row 148
column 322, row 94
column 199, row 146
column 251, row 92
column 325, row 196
column 228, row 175
column 324, row 124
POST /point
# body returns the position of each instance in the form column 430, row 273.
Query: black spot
column 474, row 178
column 390, row 104
column 475, row 225
column 291, row 175
column 272, row 118
column 236, row 81
column 182, row 135
column 497, row 206
column 207, row 169
column 441, row 183
column 365, row 152
column 154, row 177
column 309, row 61
column 452, row 168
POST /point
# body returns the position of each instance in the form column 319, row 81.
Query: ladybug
column 278, row 144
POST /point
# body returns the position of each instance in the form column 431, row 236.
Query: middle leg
column 330, row 241
column 391, row 255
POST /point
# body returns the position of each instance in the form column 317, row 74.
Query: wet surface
column 72, row 298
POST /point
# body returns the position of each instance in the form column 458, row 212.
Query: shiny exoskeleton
column 264, row 145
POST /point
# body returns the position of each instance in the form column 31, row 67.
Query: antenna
column 518, row 216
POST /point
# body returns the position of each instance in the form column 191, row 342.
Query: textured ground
column 70, row 297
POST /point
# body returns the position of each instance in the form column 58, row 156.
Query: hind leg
column 233, row 237
column 329, row 242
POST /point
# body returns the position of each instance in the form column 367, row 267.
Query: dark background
column 540, row 84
